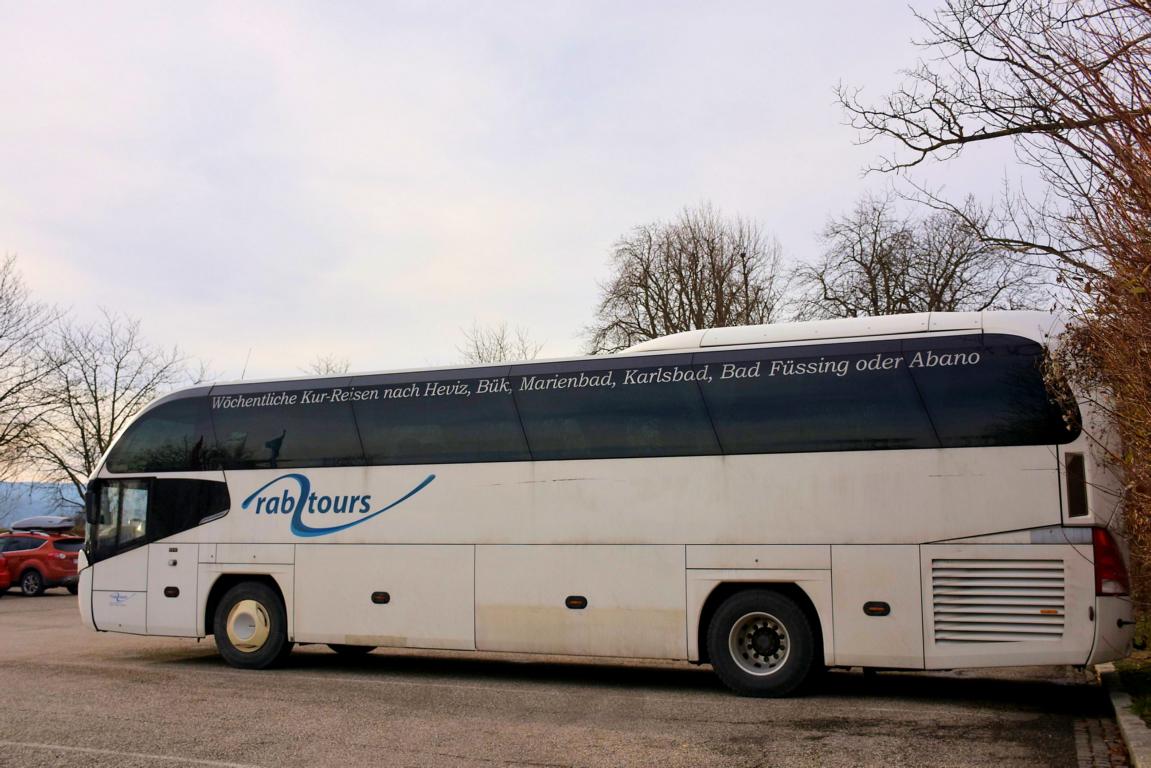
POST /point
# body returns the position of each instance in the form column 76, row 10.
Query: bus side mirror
column 91, row 515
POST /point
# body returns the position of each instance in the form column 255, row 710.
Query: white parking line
column 120, row 753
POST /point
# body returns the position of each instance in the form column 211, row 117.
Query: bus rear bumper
column 1114, row 629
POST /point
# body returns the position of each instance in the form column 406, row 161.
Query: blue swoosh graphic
column 300, row 528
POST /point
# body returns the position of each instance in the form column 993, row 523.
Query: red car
column 38, row 560
column 5, row 577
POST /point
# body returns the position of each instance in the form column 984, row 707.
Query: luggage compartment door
column 878, row 609
column 395, row 595
column 592, row 600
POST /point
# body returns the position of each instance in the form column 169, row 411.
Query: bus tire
column 761, row 644
column 251, row 627
column 351, row 650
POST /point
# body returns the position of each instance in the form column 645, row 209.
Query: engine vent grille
column 997, row 601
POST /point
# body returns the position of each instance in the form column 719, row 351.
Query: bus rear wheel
column 250, row 626
column 761, row 644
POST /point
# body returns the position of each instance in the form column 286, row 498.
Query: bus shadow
column 1049, row 690
column 462, row 670
column 455, row 669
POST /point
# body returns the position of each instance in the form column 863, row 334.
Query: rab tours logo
column 293, row 496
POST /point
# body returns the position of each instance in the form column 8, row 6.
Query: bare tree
column 877, row 262
column 101, row 376
column 327, row 365
column 1065, row 81
column 497, row 344
column 1069, row 84
column 24, row 324
column 866, row 264
column 700, row 271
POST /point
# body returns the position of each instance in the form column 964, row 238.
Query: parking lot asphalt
column 78, row 698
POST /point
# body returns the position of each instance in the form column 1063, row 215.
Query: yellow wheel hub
column 248, row 626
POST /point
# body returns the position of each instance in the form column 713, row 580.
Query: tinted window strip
column 707, row 409
column 923, row 404
column 513, row 375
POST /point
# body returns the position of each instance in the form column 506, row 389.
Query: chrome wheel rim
column 759, row 644
column 31, row 581
column 248, row 626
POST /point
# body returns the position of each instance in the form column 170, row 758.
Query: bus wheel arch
column 761, row 641
column 726, row 589
column 250, row 623
column 226, row 581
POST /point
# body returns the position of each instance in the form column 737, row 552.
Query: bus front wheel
column 761, row 644
column 250, row 626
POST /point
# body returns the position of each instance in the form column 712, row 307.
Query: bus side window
column 172, row 437
column 987, row 391
column 133, row 523
column 609, row 409
column 821, row 397
column 309, row 425
column 464, row 415
column 181, row 504
column 121, row 516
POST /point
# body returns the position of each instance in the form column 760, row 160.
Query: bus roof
column 1038, row 326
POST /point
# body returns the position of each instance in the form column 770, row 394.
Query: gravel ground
column 76, row 698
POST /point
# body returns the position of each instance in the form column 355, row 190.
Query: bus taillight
column 1110, row 572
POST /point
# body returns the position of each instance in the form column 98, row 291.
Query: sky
column 262, row 183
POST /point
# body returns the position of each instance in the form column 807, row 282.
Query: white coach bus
column 895, row 492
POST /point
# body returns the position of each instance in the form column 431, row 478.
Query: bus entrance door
column 120, row 557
